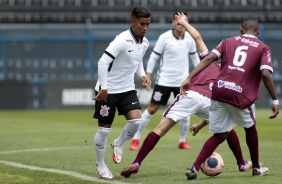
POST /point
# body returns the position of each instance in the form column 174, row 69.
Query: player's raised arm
column 201, row 46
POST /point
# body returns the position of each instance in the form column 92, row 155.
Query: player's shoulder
column 125, row 37
column 145, row 41
column 188, row 37
column 166, row 34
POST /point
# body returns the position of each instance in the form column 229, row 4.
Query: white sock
column 184, row 126
column 100, row 144
column 128, row 131
column 146, row 117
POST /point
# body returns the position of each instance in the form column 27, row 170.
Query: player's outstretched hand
column 146, row 82
column 275, row 111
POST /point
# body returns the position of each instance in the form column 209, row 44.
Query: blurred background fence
column 53, row 46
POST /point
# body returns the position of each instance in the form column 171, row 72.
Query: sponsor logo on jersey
column 236, row 68
column 229, row 85
column 237, row 38
column 250, row 42
column 129, row 40
column 247, row 41
column 104, row 110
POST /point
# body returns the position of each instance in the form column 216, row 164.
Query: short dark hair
column 185, row 13
column 250, row 24
column 141, row 11
column 180, row 11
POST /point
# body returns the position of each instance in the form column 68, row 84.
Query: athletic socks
column 234, row 144
column 146, row 117
column 184, row 126
column 252, row 142
column 210, row 145
column 128, row 131
column 149, row 143
column 100, row 144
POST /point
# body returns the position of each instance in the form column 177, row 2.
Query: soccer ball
column 213, row 165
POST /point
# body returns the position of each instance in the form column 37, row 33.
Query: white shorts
column 185, row 106
column 224, row 117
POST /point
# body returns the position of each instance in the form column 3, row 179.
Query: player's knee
column 100, row 137
column 135, row 122
column 103, row 131
column 152, row 109
column 222, row 135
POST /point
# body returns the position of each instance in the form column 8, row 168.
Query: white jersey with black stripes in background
column 120, row 61
column 174, row 56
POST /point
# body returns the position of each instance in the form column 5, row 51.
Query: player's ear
column 258, row 32
column 241, row 30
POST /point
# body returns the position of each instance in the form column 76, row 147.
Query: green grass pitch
column 57, row 147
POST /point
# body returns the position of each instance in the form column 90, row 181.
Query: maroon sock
column 234, row 145
column 148, row 144
column 210, row 145
column 252, row 142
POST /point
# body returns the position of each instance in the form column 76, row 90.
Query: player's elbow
column 265, row 73
column 197, row 36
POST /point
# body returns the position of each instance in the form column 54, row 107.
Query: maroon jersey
column 242, row 58
column 203, row 82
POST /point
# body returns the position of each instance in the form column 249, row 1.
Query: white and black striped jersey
column 120, row 61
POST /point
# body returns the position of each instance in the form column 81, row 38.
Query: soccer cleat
column 245, row 168
column 117, row 153
column 260, row 172
column 191, row 173
column 132, row 169
column 184, row 145
column 104, row 172
column 134, row 144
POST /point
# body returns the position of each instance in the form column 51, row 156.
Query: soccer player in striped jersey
column 115, row 88
column 174, row 50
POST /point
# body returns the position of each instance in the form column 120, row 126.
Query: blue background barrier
column 41, row 53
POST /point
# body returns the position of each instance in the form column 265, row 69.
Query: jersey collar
column 249, row 35
column 176, row 37
column 131, row 32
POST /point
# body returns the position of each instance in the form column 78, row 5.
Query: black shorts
column 124, row 102
column 161, row 94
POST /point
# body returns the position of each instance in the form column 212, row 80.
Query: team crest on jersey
column 104, row 110
column 157, row 96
